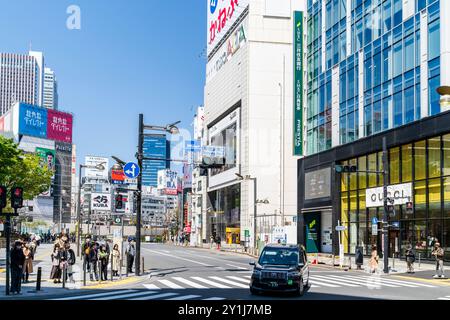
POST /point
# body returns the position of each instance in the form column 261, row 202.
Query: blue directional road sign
column 131, row 170
column 374, row 220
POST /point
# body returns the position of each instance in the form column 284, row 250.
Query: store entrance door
column 312, row 232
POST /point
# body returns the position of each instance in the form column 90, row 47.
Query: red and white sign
column 222, row 14
column 117, row 175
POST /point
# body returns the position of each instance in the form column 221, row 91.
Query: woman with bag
column 71, row 259
column 116, row 260
column 28, row 265
column 55, row 274
column 103, row 257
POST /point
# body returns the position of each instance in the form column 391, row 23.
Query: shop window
column 446, row 149
column 420, row 237
column 362, row 166
column 407, row 163
column 419, row 160
column 372, row 167
column 434, row 157
column 446, row 187
column 434, row 196
column 380, row 169
column 353, row 176
column 446, row 235
column 353, row 206
column 344, row 221
column 434, row 235
column 394, row 165
column 353, row 237
column 407, row 235
column 344, row 179
column 420, row 200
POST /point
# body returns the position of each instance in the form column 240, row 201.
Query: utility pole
column 139, row 195
column 385, row 230
column 79, row 212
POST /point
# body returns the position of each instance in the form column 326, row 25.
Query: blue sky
column 129, row 57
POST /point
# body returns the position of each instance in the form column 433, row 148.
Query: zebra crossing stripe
column 191, row 296
column 322, row 284
column 125, row 296
column 239, row 279
column 443, row 298
column 359, row 281
column 152, row 286
column 211, row 283
column 371, row 281
column 190, row 283
column 215, row 298
column 323, row 278
column 152, row 297
column 170, row 284
column 403, row 283
column 248, row 277
column 233, row 283
column 98, row 295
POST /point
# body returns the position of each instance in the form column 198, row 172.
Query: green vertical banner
column 298, row 83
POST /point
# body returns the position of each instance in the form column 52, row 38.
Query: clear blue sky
column 130, row 57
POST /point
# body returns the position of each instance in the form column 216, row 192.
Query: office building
column 50, row 93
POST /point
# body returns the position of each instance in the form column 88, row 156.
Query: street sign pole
column 8, row 248
column 385, row 230
column 139, row 195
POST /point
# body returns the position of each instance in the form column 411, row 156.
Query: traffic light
column 3, row 197
column 409, row 207
column 16, row 197
column 346, row 169
column 119, row 201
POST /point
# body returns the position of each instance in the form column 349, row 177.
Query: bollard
column 84, row 272
column 64, row 276
column 99, row 270
column 419, row 261
column 38, row 281
column 393, row 261
column 142, row 269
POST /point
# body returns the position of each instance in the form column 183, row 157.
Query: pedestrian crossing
column 174, row 288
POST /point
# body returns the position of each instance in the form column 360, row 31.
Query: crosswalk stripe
column 152, row 286
column 320, row 278
column 359, row 281
column 214, row 298
column 248, row 277
column 211, row 283
column 322, row 284
column 190, row 283
column 313, row 286
column 98, row 295
column 404, row 283
column 443, row 298
column 233, row 283
column 152, row 297
column 170, row 284
column 237, row 267
column 125, row 296
column 239, row 279
column 190, row 296
column 374, row 279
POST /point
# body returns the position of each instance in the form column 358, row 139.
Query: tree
column 21, row 169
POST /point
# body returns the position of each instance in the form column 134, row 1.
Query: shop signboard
column 318, row 184
column 168, row 181
column 312, row 231
column 93, row 161
column 401, row 193
column 117, row 177
column 298, row 83
column 32, row 121
column 101, row 202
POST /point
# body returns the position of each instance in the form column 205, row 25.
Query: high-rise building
column 373, row 71
column 50, row 94
column 158, row 147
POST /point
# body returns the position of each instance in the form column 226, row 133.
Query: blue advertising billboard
column 32, row 121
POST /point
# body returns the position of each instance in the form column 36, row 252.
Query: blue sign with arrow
column 131, row 170
column 374, row 220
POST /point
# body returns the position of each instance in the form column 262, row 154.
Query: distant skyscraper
column 50, row 94
column 155, row 146
column 21, row 79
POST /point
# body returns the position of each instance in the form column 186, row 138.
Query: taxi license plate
column 274, row 284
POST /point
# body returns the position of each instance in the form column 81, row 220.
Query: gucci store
column 419, row 171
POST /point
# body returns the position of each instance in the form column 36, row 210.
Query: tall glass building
column 155, row 146
column 373, row 70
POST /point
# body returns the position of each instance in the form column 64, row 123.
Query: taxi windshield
column 279, row 257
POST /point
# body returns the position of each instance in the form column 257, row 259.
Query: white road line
column 98, row 295
column 125, row 296
column 314, row 286
column 367, row 281
column 152, row 286
column 215, row 298
column 233, row 283
column 443, row 298
column 321, row 278
column 322, row 284
column 211, row 283
column 405, row 283
column 190, row 283
column 221, row 260
column 162, row 295
column 237, row 267
column 358, row 281
column 191, row 296
column 248, row 277
column 170, row 284
column 239, row 279
column 176, row 257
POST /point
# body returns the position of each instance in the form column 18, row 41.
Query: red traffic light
column 3, row 192
column 16, row 197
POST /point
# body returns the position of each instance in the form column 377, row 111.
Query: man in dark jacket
column 17, row 262
column 93, row 261
column 85, row 254
column 410, row 259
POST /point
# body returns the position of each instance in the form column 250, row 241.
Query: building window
column 419, row 160
column 394, row 165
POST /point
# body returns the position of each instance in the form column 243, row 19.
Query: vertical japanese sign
column 59, row 126
column 298, row 83
column 33, row 121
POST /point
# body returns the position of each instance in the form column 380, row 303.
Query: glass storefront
column 224, row 215
column 425, row 164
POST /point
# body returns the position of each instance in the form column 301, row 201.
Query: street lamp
column 444, row 92
column 99, row 167
column 171, row 129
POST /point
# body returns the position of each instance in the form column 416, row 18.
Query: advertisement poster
column 168, row 181
column 93, row 161
column 47, row 157
column 117, row 176
column 101, row 202
column 59, row 126
column 298, row 83
column 312, row 232
column 32, row 121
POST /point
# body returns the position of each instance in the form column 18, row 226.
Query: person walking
column 103, row 257
column 130, row 252
column 17, row 262
column 93, row 261
column 71, row 260
column 86, row 249
column 218, row 241
column 55, row 273
column 410, row 259
column 28, row 265
column 115, row 260
column 438, row 253
column 373, row 262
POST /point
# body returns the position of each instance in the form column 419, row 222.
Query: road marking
column 434, row 281
column 211, row 283
column 363, row 281
column 234, row 283
column 199, row 255
column 191, row 296
column 190, row 283
column 170, row 284
column 248, row 277
column 239, row 279
column 214, row 298
column 322, row 284
column 407, row 283
column 151, row 287
column 125, row 296
column 237, row 267
column 443, row 298
column 98, row 295
column 162, row 295
column 175, row 257
column 322, row 278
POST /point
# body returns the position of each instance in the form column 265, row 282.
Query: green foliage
column 22, row 170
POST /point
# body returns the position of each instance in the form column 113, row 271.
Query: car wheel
column 301, row 288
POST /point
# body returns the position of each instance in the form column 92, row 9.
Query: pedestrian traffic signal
column 16, row 197
column 119, row 201
column 409, row 207
column 390, row 209
column 346, row 169
column 3, row 192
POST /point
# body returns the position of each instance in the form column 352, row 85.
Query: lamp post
column 170, row 128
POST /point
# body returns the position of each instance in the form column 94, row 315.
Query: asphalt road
column 183, row 273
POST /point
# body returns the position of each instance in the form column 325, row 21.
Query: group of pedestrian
column 21, row 261
column 63, row 258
